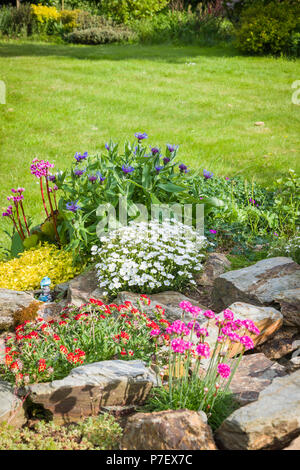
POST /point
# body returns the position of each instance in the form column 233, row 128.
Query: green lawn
column 62, row 99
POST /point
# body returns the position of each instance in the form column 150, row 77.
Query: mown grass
column 62, row 99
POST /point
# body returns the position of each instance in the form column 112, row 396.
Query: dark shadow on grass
column 161, row 53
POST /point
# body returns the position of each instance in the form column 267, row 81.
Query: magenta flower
column 224, row 370
column 155, row 332
column 203, row 350
column 209, row 314
column 180, row 346
column 228, row 314
column 179, row 328
column 247, row 342
column 213, row 231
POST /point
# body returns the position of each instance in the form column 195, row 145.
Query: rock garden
column 175, row 332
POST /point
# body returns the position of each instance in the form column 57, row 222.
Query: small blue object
column 45, row 295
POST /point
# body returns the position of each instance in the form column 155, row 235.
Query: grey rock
column 258, row 284
column 271, row 422
column 91, row 387
column 84, row 287
column 215, row 265
column 10, row 302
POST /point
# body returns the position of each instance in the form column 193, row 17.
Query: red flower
column 56, row 337
column 96, row 302
column 131, row 353
column 63, row 349
column 42, row 365
column 123, row 352
column 8, row 359
column 14, row 366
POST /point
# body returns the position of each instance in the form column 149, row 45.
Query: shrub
column 100, row 433
column 149, row 257
column 124, row 10
column 103, row 35
column 16, row 21
column 268, row 28
column 43, row 351
column 180, row 26
column 27, row 270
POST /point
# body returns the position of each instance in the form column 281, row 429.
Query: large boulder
column 258, row 284
column 167, row 430
column 10, row 302
column 169, row 300
column 90, row 387
column 271, row 422
column 84, row 287
column 289, row 301
column 254, row 373
column 11, row 407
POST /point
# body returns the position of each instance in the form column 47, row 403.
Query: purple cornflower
column 276, row 234
column 207, row 175
column 79, row 157
column 107, row 146
column 127, row 169
column 92, row 178
column 159, row 168
column 172, row 148
column 154, row 150
column 183, row 168
column 141, row 136
column 166, row 160
column 213, row 231
column 72, row 206
column 79, row 172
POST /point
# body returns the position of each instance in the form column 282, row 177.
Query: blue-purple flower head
column 159, row 168
column 107, row 146
column 78, row 157
column 141, row 136
column 78, row 172
column 166, row 160
column 73, row 206
column 207, row 175
column 154, row 150
column 127, row 169
column 101, row 178
column 172, row 148
column 183, row 168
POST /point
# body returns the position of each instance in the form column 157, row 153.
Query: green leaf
column 171, row 187
column 16, row 245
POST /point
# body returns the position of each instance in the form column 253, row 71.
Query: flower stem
column 43, row 199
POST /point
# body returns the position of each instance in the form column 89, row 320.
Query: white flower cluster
column 147, row 257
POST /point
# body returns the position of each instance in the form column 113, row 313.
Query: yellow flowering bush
column 43, row 14
column 27, row 270
column 46, row 17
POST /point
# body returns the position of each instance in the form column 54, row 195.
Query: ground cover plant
column 94, row 433
column 149, row 257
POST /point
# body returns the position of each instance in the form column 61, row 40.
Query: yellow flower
column 27, row 270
